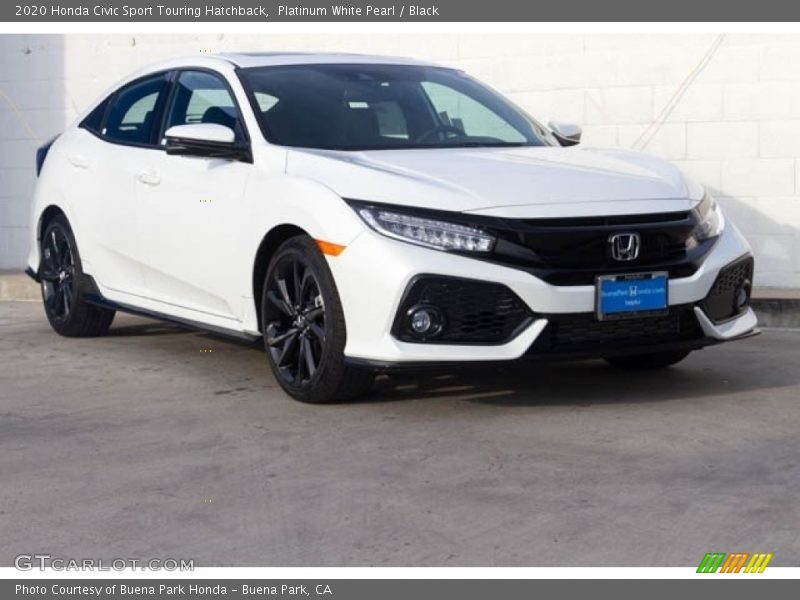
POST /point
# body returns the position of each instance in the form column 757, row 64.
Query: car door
column 191, row 209
column 105, row 159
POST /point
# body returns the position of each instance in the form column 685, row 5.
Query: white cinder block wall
column 726, row 109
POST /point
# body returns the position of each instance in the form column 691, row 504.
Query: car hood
column 501, row 181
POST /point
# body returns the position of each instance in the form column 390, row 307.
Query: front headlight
column 424, row 231
column 709, row 219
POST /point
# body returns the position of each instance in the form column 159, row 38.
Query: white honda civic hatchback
column 365, row 213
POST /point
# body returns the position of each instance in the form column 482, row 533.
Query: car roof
column 264, row 59
column 229, row 61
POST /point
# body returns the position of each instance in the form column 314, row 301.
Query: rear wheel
column 61, row 277
column 304, row 329
column 655, row 360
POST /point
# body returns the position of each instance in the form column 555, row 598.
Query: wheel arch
column 47, row 215
column 269, row 245
column 44, row 218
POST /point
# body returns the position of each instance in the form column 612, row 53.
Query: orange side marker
column 330, row 248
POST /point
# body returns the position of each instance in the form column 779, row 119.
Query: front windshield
column 376, row 107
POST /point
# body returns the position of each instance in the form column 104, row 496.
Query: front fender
column 277, row 200
column 307, row 204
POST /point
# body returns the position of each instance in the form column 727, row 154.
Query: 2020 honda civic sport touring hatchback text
column 364, row 213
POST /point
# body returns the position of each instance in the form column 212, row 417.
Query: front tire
column 655, row 360
column 304, row 328
column 62, row 279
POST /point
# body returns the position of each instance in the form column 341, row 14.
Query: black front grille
column 584, row 334
column 475, row 312
column 721, row 302
column 572, row 251
column 581, row 243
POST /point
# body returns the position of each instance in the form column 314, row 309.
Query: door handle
column 77, row 160
column 148, row 178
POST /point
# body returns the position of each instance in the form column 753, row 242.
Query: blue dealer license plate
column 632, row 295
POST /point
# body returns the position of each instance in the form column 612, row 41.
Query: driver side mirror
column 567, row 134
column 206, row 140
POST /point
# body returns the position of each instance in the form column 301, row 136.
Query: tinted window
column 94, row 120
column 467, row 115
column 132, row 116
column 201, row 97
column 363, row 107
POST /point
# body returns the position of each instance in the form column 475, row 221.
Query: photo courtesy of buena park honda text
column 381, row 300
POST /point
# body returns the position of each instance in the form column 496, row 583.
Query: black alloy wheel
column 304, row 327
column 295, row 334
column 57, row 273
column 62, row 281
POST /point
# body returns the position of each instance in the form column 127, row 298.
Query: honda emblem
column 625, row 246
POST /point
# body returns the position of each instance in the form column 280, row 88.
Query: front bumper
column 374, row 272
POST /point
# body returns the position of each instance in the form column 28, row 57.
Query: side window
column 132, row 116
column 201, row 97
column 471, row 117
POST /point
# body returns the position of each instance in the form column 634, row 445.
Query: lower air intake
column 584, row 334
column 473, row 312
column 730, row 294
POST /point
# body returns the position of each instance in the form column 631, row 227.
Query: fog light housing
column 462, row 311
column 424, row 321
column 743, row 295
column 729, row 297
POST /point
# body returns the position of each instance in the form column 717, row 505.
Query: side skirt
column 93, row 296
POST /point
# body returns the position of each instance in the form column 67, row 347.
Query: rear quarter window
column 94, row 120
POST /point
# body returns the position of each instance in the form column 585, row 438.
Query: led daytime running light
column 431, row 233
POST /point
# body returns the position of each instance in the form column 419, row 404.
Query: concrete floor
column 158, row 442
